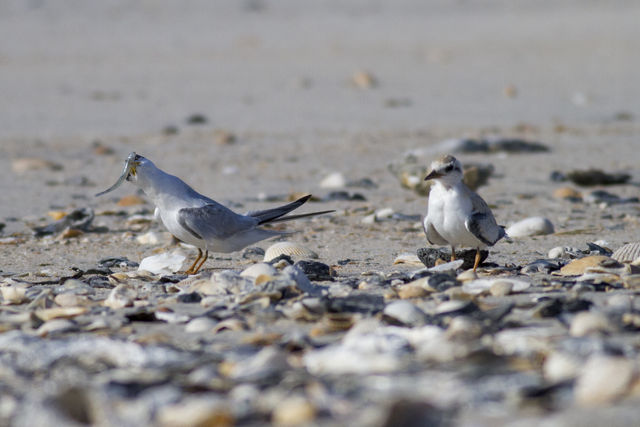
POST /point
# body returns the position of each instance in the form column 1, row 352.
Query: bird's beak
column 432, row 175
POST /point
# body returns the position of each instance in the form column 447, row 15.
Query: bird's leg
column 453, row 253
column 477, row 261
column 190, row 269
column 206, row 255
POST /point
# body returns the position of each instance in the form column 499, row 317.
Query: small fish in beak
column 129, row 168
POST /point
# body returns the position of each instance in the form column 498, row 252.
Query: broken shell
column 579, row 266
column 131, row 200
column 291, row 249
column 409, row 259
column 627, row 253
column 121, row 296
column 166, row 263
column 495, row 286
column 13, row 293
column 47, row 314
column 260, row 272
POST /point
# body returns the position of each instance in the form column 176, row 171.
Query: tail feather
column 276, row 214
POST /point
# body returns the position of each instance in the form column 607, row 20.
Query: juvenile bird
column 198, row 220
column 456, row 215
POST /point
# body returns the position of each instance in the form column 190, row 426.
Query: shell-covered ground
column 255, row 103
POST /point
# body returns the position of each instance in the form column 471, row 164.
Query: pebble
column 501, row 288
column 408, row 259
column 533, row 226
column 364, row 80
column 13, row 293
column 260, row 272
column 592, row 177
column 603, row 379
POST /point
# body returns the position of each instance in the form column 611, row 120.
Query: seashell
column 627, row 253
column 533, row 226
column 13, row 293
column 333, row 180
column 131, row 200
column 409, row 259
column 580, row 266
column 404, row 313
column 121, row 296
column 291, row 249
column 293, row 411
column 447, row 266
column 260, row 272
column 200, row 324
column 363, row 80
column 165, row 263
column 486, row 285
column 56, row 326
column 153, row 238
column 567, row 193
column 60, row 312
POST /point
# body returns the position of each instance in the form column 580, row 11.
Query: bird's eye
column 448, row 168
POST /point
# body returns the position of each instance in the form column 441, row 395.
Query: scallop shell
column 627, row 253
column 291, row 249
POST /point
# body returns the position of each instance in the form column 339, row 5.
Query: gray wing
column 214, row 221
column 432, row 235
column 481, row 222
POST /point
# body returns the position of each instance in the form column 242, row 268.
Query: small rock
column 223, row 137
column 533, row 226
column 197, row 119
column 411, row 291
column 79, row 219
column 315, row 270
column 603, row 197
column 603, row 379
column 200, row 324
column 592, row 177
column 260, row 272
column 557, row 252
column 13, row 293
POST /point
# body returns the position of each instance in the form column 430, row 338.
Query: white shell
column 165, row 263
column 409, row 259
column 291, row 249
column 333, row 180
column 260, row 272
column 484, row 285
column 533, row 226
column 627, row 253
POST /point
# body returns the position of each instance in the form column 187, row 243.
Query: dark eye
column 448, row 168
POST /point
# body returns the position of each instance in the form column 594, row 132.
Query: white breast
column 449, row 208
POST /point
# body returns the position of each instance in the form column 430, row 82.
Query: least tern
column 198, row 220
column 456, row 215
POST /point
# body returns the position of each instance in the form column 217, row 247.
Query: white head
column 447, row 170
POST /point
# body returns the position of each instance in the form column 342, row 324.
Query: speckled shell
column 291, row 249
column 627, row 253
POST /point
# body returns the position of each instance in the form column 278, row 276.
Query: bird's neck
column 160, row 186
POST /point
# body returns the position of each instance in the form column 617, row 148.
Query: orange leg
column 206, row 255
column 477, row 261
column 453, row 253
column 191, row 270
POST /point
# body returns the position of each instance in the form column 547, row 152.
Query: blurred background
column 119, row 67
